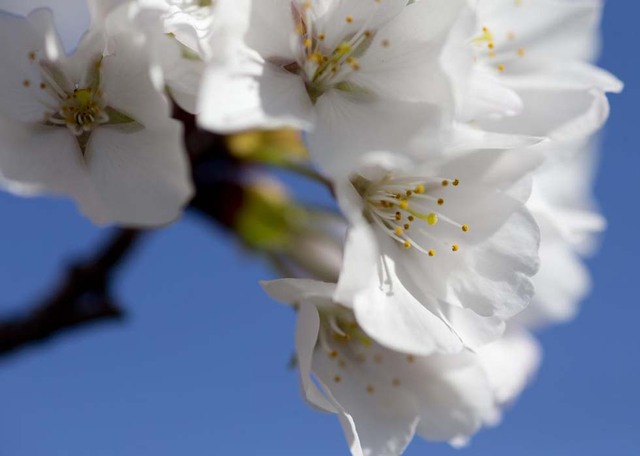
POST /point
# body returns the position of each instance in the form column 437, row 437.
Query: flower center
column 409, row 210
column 351, row 352
column 324, row 66
column 80, row 106
column 496, row 49
column 81, row 111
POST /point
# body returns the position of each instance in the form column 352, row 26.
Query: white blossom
column 90, row 125
column 383, row 397
column 345, row 71
column 452, row 243
column 524, row 67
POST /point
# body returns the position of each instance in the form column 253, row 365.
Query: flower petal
column 141, row 175
column 250, row 93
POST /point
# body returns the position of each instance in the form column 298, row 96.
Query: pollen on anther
column 445, row 183
column 43, row 85
column 465, row 228
column 399, row 231
column 501, row 67
column 440, row 201
column 432, row 219
column 455, row 247
column 349, row 19
column 411, row 218
column 456, row 182
column 432, row 253
column 406, row 226
column 407, row 244
column 404, row 204
column 419, row 189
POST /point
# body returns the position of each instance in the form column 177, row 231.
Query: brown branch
column 82, row 298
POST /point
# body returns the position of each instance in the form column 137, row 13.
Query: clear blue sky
column 200, row 366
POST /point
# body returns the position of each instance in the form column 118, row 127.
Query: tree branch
column 83, row 297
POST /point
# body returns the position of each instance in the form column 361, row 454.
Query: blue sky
column 200, row 365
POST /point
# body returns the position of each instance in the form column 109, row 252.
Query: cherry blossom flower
column 527, row 68
column 342, row 70
column 383, row 397
column 90, row 125
column 452, row 234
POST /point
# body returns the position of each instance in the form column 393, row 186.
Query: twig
column 82, row 298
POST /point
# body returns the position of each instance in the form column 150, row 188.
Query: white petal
column 46, row 159
column 294, row 291
column 402, row 61
column 20, row 78
column 350, row 125
column 384, row 421
column 474, row 330
column 456, row 397
column 249, row 93
column 359, row 263
column 127, row 83
column 141, row 175
column 510, row 363
column 271, row 29
column 499, row 277
column 306, row 338
column 396, row 320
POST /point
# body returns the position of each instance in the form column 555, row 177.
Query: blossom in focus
column 90, row 125
column 449, row 241
column 342, row 70
column 383, row 397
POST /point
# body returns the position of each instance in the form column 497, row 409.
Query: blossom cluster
column 457, row 137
